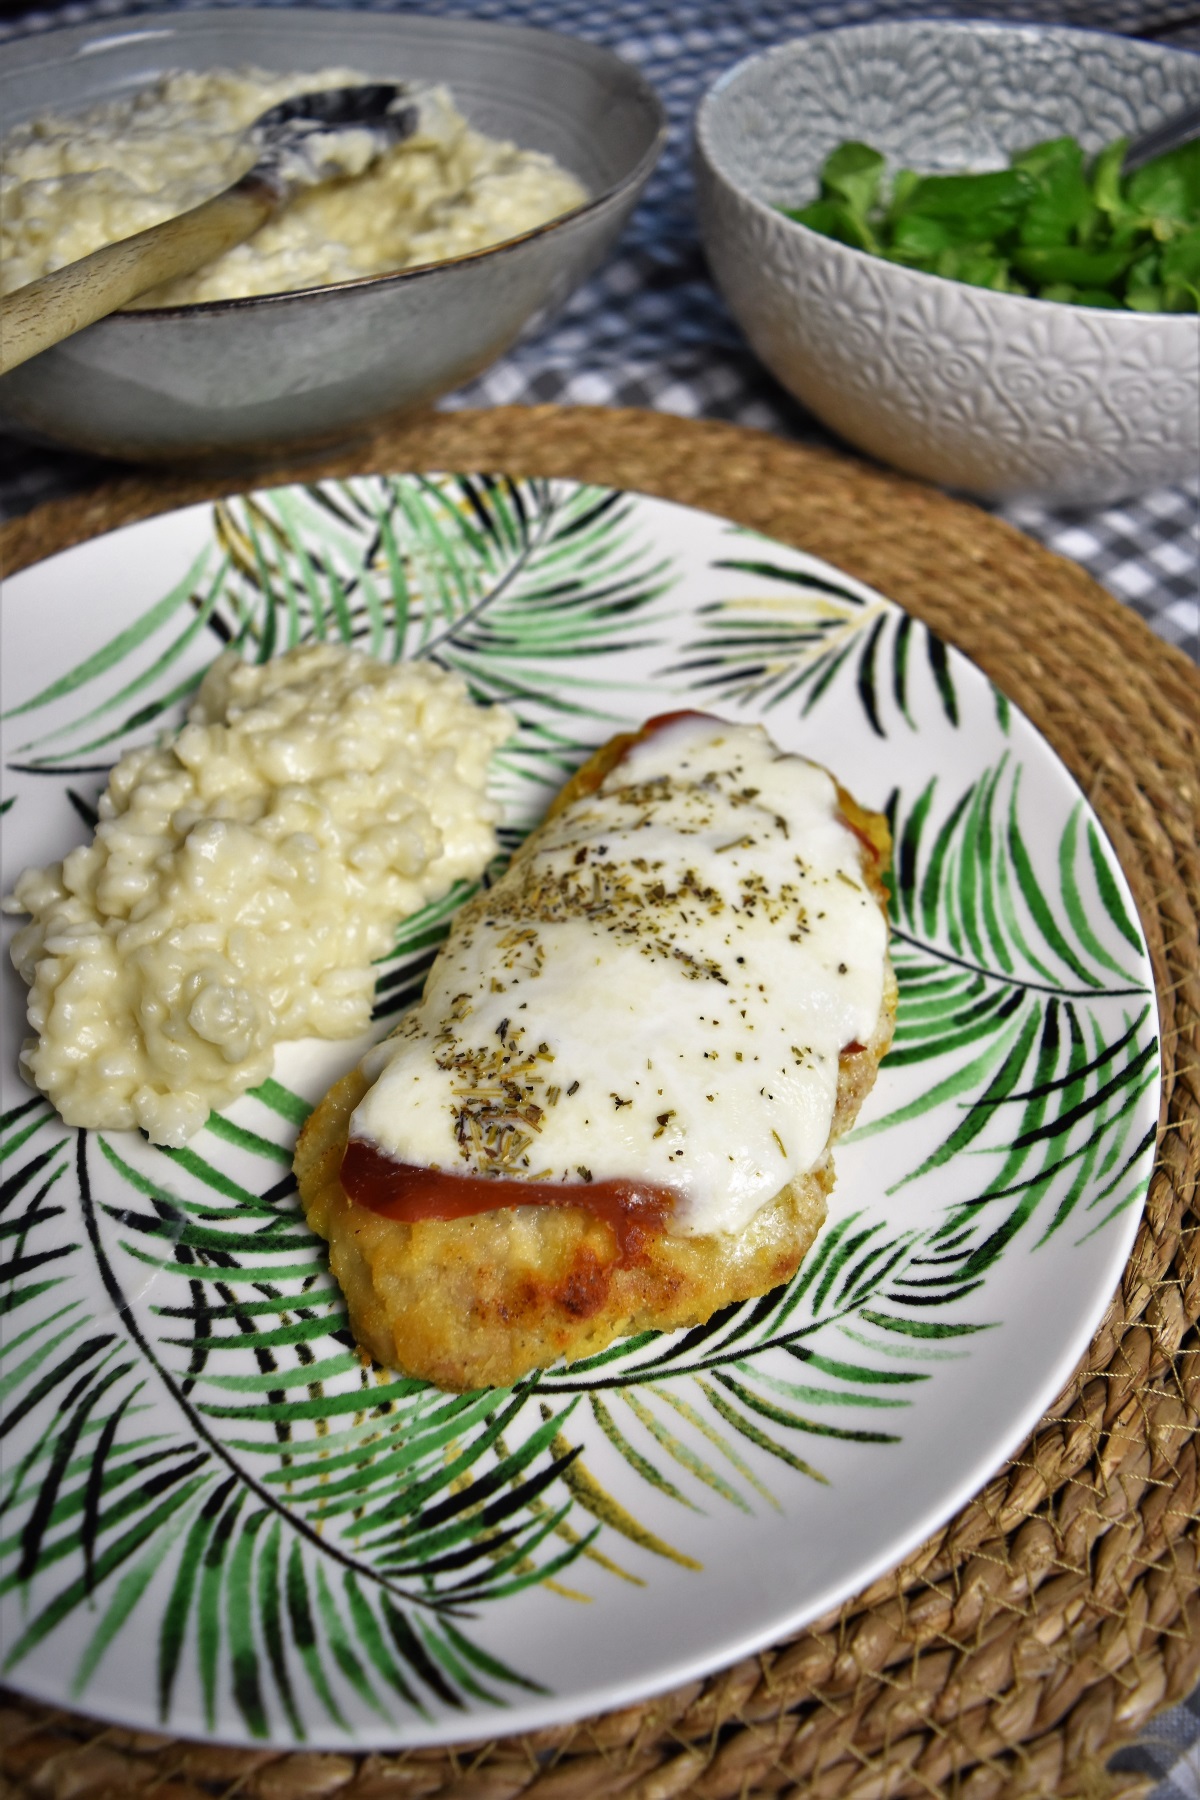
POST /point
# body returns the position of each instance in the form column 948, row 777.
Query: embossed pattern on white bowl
column 996, row 394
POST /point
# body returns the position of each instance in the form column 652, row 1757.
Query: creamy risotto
column 243, row 877
column 70, row 184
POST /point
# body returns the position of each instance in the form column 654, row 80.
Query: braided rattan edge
column 1045, row 1625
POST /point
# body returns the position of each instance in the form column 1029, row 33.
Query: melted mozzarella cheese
column 657, row 991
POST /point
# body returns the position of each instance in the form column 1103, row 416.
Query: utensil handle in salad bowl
column 1174, row 131
column 57, row 305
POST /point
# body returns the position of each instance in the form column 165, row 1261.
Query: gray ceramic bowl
column 995, row 394
column 235, row 381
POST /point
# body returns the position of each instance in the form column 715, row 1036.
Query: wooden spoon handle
column 56, row 305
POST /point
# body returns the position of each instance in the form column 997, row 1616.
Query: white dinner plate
column 215, row 1520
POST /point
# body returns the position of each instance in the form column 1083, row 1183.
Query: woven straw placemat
column 1045, row 1625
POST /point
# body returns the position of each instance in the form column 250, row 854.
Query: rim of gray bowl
column 150, row 24
column 880, row 30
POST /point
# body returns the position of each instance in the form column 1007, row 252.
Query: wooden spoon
column 298, row 146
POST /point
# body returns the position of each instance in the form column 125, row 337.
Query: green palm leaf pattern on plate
column 791, row 644
column 1009, row 980
column 201, row 1478
column 524, row 587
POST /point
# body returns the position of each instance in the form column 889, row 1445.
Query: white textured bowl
column 995, row 394
column 237, row 381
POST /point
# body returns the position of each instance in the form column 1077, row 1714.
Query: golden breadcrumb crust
column 480, row 1301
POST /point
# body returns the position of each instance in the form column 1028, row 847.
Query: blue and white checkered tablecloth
column 649, row 330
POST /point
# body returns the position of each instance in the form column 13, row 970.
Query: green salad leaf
column 1054, row 224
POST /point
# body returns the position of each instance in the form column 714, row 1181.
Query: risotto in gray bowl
column 365, row 297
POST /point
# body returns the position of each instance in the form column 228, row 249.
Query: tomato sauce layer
column 402, row 1191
